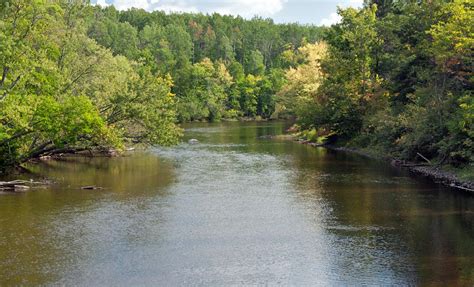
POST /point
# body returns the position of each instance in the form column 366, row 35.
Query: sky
column 318, row 12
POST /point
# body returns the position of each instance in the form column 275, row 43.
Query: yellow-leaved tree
column 299, row 94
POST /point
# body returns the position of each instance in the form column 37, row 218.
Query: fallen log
column 423, row 157
column 13, row 187
column 19, row 185
column 461, row 187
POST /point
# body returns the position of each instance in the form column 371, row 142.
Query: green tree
column 254, row 63
column 350, row 81
column 248, row 88
column 62, row 92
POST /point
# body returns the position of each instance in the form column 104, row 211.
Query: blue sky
column 319, row 12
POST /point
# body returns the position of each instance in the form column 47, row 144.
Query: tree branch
column 16, row 136
column 14, row 83
column 4, row 75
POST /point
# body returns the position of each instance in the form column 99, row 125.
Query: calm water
column 235, row 209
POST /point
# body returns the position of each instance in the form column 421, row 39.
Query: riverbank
column 435, row 173
column 446, row 175
column 438, row 174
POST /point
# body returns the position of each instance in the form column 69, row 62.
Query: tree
column 157, row 50
column 349, row 86
column 180, row 45
column 75, row 76
column 254, row 63
column 204, row 95
column 396, row 77
column 300, row 93
column 248, row 89
column 62, row 92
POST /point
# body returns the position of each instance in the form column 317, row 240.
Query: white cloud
column 127, row 4
column 249, row 8
column 321, row 12
column 245, row 8
column 102, row 3
column 334, row 18
column 150, row 5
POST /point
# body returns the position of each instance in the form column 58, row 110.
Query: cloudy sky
column 319, row 12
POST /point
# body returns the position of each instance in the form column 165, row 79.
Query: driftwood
column 423, row 157
column 461, row 187
column 24, row 185
column 19, row 185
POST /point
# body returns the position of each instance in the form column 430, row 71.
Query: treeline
column 79, row 77
column 222, row 66
column 393, row 77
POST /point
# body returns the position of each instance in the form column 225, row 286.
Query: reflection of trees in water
column 378, row 221
column 44, row 231
column 130, row 175
column 441, row 235
column 421, row 225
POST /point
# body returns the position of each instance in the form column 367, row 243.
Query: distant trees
column 75, row 76
column 189, row 46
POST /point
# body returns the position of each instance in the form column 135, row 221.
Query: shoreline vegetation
column 435, row 173
column 392, row 77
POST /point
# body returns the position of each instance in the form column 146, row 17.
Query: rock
column 91, row 187
column 193, row 141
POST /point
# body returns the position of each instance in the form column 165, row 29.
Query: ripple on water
column 233, row 210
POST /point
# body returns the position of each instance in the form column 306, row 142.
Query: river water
column 236, row 209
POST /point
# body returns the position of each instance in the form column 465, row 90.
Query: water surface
column 236, row 209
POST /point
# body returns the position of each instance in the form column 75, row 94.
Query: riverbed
column 237, row 208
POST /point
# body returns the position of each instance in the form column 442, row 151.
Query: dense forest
column 221, row 66
column 393, row 77
column 80, row 77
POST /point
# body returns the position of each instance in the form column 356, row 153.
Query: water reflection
column 236, row 209
column 47, row 234
column 420, row 231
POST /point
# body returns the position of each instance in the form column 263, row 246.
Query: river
column 236, row 209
